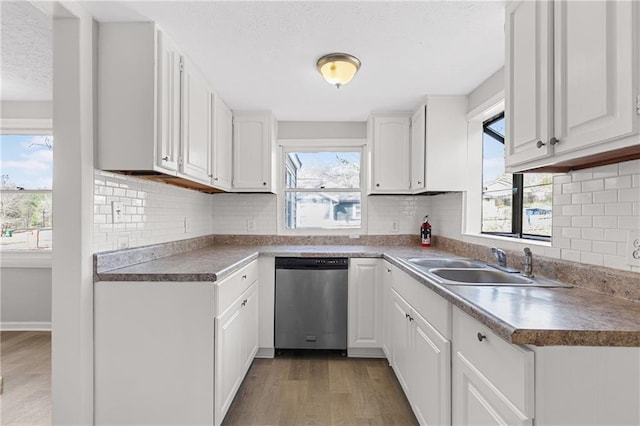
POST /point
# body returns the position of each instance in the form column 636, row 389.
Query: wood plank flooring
column 25, row 366
column 320, row 388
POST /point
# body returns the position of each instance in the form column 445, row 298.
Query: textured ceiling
column 261, row 55
column 25, row 44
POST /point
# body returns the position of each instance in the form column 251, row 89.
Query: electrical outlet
column 187, row 225
column 123, row 242
column 395, row 226
column 251, row 225
column 633, row 248
column 117, row 211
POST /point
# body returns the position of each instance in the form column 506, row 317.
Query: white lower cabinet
column 364, row 307
column 387, row 305
column 421, row 354
column 173, row 353
column 236, row 346
column 493, row 381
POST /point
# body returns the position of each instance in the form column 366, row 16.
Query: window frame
column 320, row 145
column 32, row 258
column 517, row 200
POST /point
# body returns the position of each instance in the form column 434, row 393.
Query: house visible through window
column 26, row 169
column 322, row 190
column 517, row 205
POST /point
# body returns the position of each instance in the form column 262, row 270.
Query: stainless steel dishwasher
column 311, row 303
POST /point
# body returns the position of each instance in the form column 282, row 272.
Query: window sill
column 26, row 259
column 519, row 241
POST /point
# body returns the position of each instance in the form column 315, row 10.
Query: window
column 322, row 189
column 26, row 169
column 516, row 205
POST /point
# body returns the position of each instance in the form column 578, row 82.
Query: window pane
column 25, row 220
column 323, row 170
column 496, row 211
column 26, row 161
column 537, row 205
column 322, row 210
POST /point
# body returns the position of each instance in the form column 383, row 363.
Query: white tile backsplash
column 154, row 212
column 232, row 212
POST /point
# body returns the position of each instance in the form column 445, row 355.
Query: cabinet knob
column 165, row 158
column 244, row 302
column 377, row 184
column 481, row 337
column 215, row 178
column 410, row 318
column 419, row 183
column 244, row 277
column 210, row 175
column 540, row 144
column 264, row 183
column 407, row 316
column 553, row 141
column 388, row 270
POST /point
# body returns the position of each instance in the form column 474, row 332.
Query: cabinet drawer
column 232, row 287
column 435, row 309
column 508, row 367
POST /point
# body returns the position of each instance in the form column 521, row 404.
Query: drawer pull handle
column 481, row 337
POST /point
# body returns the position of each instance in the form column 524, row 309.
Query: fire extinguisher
column 425, row 232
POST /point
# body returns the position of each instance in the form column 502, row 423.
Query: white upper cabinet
column 138, row 98
column 253, row 151
column 221, row 161
column 390, row 151
column 418, row 141
column 197, row 99
column 426, row 151
column 572, row 97
column 446, row 144
column 168, row 103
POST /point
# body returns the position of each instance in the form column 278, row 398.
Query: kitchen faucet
column 528, row 263
column 500, row 255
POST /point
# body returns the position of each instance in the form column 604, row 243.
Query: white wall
column 25, row 298
column 154, row 212
column 28, row 110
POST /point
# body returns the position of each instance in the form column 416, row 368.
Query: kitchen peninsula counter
column 521, row 315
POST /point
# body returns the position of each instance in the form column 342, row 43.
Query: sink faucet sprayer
column 528, row 263
column 500, row 255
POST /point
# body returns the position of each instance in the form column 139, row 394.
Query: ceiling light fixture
column 338, row 68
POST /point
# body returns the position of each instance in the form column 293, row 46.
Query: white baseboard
column 25, row 326
column 266, row 353
column 365, row 353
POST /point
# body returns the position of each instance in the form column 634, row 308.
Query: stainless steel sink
column 480, row 277
column 430, row 263
column 489, row 277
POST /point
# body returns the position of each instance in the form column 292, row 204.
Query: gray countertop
column 521, row 315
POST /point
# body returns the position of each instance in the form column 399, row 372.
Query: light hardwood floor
column 320, row 388
column 25, row 366
column 296, row 388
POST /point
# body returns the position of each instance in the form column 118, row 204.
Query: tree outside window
column 26, row 170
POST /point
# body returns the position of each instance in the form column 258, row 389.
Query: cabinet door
column 430, row 374
column 401, row 327
column 228, row 361
column 478, row 402
column 418, row 144
column 250, row 327
column 168, row 99
column 391, row 155
column 594, row 91
column 196, row 124
column 529, row 84
column 252, row 153
column 364, row 303
column 387, row 310
column 222, row 142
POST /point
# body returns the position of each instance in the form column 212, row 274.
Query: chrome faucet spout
column 528, row 263
column 500, row 255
